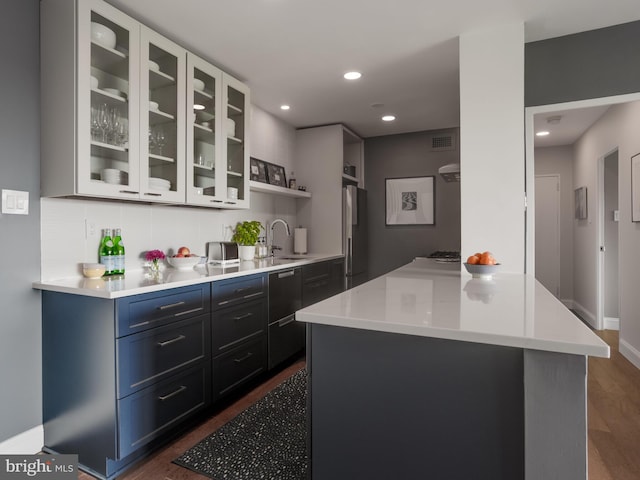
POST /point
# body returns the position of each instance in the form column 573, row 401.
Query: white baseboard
column 630, row 353
column 25, row 443
column 587, row 316
column 611, row 323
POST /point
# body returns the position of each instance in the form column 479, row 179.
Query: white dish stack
column 115, row 176
column 156, row 183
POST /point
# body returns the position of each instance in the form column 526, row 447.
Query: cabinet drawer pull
column 162, row 398
column 252, row 295
column 240, row 290
column 186, row 312
column 286, row 321
column 242, row 317
column 290, row 273
column 129, row 191
column 246, row 357
column 153, row 194
column 173, row 340
column 171, row 305
column 216, row 201
column 230, row 203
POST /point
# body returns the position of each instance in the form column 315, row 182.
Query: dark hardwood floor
column 613, row 423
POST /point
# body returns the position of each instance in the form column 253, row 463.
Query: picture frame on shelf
column 410, row 201
column 276, row 175
column 581, row 203
column 258, row 170
column 635, row 188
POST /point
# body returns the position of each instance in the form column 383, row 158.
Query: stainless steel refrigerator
column 354, row 234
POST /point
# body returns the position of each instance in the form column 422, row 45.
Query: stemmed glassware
column 157, row 140
column 108, row 126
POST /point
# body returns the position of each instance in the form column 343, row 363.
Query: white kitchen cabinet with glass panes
column 217, row 151
column 118, row 118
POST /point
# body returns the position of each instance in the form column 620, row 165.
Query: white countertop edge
column 594, row 350
column 69, row 284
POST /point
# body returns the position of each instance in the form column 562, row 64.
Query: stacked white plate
column 203, row 182
column 156, row 183
column 115, row 176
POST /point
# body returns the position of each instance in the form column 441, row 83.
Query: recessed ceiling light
column 389, row 118
column 284, row 107
column 197, row 106
column 352, row 75
column 543, row 133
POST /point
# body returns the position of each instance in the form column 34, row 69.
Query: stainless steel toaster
column 222, row 252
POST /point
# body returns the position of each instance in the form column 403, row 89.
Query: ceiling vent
column 442, row 143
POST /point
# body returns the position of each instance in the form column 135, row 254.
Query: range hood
column 450, row 172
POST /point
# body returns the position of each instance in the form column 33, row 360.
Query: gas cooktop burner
column 445, row 256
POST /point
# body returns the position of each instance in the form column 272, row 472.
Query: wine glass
column 160, row 140
column 104, row 121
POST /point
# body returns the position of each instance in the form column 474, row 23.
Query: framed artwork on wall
column 258, row 170
column 410, row 201
column 635, row 188
column 581, row 203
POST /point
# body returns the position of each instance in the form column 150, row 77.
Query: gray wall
column 408, row 155
column 593, row 64
column 20, row 329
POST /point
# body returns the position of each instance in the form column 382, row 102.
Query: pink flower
column 154, row 255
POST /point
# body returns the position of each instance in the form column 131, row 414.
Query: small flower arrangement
column 154, row 256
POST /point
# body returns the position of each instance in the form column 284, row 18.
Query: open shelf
column 275, row 190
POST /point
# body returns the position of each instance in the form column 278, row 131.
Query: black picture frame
column 258, row 170
column 276, row 175
column 410, row 201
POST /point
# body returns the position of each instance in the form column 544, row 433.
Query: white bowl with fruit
column 184, row 259
column 482, row 265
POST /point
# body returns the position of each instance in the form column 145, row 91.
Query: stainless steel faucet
column 270, row 246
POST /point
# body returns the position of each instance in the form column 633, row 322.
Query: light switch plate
column 15, row 202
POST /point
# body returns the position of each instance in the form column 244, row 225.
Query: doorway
column 548, row 232
column 608, row 296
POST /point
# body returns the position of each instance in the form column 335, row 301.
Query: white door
column 548, row 232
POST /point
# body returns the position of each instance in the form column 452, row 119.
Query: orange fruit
column 473, row 260
column 487, row 259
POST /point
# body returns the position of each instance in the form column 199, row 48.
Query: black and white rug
column 266, row 441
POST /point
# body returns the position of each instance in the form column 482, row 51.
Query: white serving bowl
column 93, row 270
column 198, row 84
column 115, row 91
column 103, row 35
column 154, row 66
column 94, row 82
column 482, row 271
column 153, row 105
column 183, row 263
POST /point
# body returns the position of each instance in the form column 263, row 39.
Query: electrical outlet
column 89, row 229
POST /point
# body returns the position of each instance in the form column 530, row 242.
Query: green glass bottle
column 118, row 247
column 107, row 254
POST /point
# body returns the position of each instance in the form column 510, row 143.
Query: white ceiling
column 295, row 51
column 568, row 125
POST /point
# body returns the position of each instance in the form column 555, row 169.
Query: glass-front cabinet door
column 204, row 178
column 235, row 150
column 162, row 119
column 108, row 102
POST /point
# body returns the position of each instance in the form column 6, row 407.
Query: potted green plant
column 246, row 236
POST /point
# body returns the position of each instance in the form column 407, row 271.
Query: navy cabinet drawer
column 286, row 338
column 315, row 283
column 234, row 325
column 153, row 411
column 149, row 310
column 226, row 293
column 238, row 366
column 149, row 356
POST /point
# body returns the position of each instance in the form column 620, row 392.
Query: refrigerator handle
column 349, row 258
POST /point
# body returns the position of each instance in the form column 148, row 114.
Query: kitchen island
column 427, row 372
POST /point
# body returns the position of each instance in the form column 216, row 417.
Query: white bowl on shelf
column 198, row 84
column 103, row 35
column 153, row 105
column 184, row 263
column 115, row 91
column 154, row 66
column 94, row 82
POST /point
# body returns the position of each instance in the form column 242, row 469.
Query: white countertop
column 429, row 299
column 142, row 281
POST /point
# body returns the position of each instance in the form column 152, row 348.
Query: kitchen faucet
column 270, row 246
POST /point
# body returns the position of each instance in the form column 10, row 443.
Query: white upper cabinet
column 129, row 114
